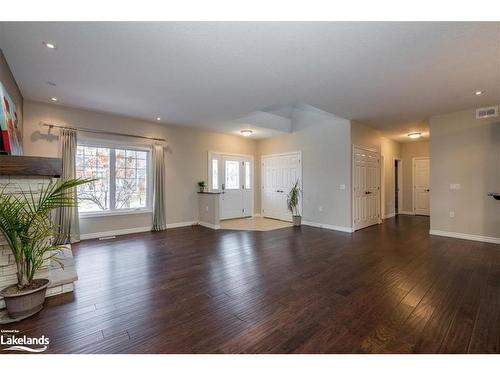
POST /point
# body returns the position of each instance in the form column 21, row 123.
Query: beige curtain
column 66, row 219
column 159, row 221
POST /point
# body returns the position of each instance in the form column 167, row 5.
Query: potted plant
column 202, row 185
column 292, row 201
column 26, row 223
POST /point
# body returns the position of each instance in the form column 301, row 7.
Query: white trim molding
column 406, row 213
column 327, row 226
column 208, row 225
column 465, row 236
column 117, row 232
column 388, row 216
column 181, row 224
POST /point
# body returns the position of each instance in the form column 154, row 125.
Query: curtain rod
column 103, row 132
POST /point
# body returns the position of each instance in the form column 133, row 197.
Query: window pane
column 232, row 174
column 131, row 179
column 248, row 184
column 93, row 162
column 215, row 174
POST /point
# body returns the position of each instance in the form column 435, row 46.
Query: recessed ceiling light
column 158, row 119
column 54, row 99
column 49, row 45
column 414, row 135
column 246, row 132
column 479, row 93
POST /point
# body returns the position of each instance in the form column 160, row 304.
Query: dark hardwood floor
column 390, row 288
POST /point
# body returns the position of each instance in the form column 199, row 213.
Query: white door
column 236, row 189
column 279, row 174
column 421, row 188
column 366, row 188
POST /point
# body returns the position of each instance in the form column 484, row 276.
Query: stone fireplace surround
column 61, row 279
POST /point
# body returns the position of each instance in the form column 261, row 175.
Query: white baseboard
column 181, row 224
column 328, row 226
column 406, row 213
column 118, row 232
column 208, row 225
column 256, row 215
column 465, row 236
column 388, row 216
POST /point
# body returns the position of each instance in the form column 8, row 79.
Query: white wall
column 324, row 140
column 186, row 157
column 390, row 151
column 465, row 151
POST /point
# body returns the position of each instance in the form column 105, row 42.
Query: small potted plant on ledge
column 202, row 185
column 292, row 202
column 26, row 223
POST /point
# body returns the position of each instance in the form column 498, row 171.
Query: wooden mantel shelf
column 30, row 166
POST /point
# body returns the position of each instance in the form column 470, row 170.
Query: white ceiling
column 229, row 76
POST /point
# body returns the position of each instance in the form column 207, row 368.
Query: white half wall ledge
column 465, row 236
column 328, row 226
column 208, row 225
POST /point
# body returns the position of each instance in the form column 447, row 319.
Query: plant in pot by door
column 292, row 201
column 26, row 224
column 202, row 185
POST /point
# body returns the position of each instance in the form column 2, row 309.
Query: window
column 248, row 184
column 215, row 174
column 232, row 174
column 122, row 175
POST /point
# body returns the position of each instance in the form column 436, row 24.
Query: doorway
column 279, row 174
column 398, row 186
column 232, row 176
column 366, row 187
column 421, row 188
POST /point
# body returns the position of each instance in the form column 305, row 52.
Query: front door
column 366, row 188
column 236, row 189
column 421, row 189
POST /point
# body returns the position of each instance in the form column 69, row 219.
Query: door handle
column 427, row 190
column 368, row 192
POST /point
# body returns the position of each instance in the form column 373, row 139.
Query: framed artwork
column 10, row 128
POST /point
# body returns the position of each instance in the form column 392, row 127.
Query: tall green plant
column 292, row 199
column 25, row 222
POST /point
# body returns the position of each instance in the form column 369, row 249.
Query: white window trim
column 87, row 142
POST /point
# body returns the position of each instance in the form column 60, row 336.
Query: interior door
column 279, row 174
column 236, row 189
column 366, row 188
column 421, row 189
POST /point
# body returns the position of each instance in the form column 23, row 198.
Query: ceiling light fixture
column 54, row 99
column 414, row 135
column 246, row 132
column 478, row 93
column 49, row 45
column 158, row 119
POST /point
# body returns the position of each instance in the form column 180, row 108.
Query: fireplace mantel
column 30, row 166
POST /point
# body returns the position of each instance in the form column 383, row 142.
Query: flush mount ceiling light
column 54, row 99
column 414, row 135
column 49, row 45
column 158, row 119
column 479, row 93
column 246, row 132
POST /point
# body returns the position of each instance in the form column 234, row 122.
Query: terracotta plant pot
column 297, row 221
column 23, row 304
